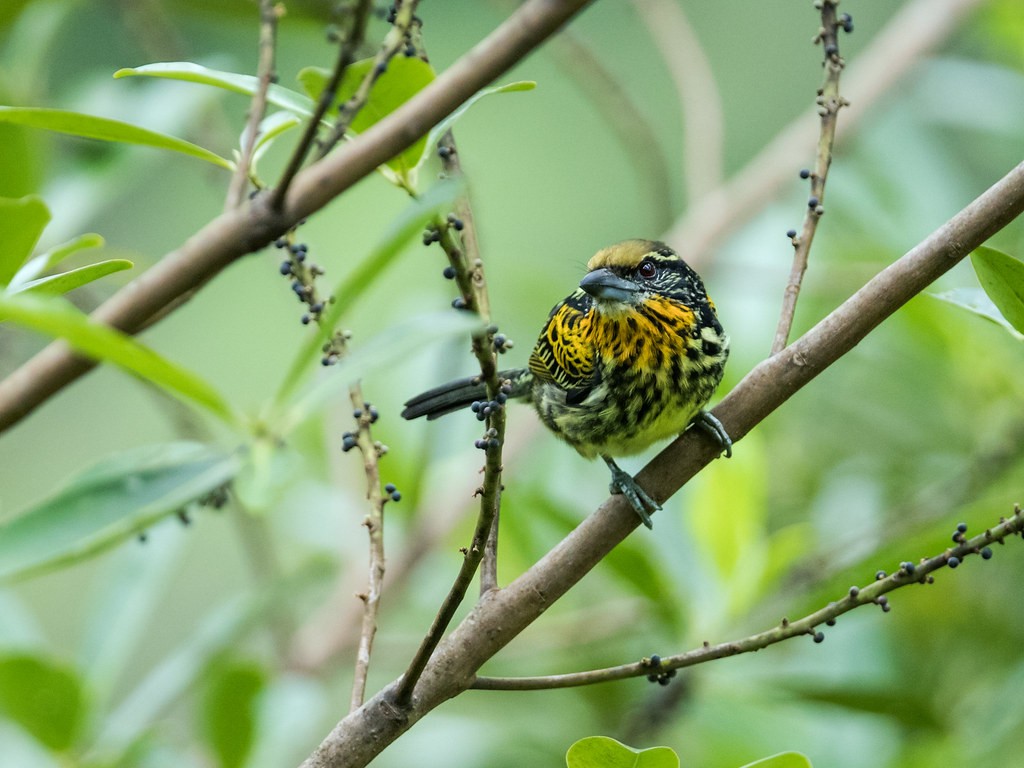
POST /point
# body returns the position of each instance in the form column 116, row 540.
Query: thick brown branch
column 251, row 227
column 500, row 616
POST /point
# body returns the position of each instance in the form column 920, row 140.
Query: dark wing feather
column 564, row 354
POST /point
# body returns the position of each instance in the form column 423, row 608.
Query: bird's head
column 623, row 276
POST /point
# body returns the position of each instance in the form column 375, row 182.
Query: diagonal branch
column 251, row 227
column 500, row 616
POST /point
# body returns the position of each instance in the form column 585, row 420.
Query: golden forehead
column 629, row 253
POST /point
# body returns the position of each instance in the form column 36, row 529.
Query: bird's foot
column 710, row 424
column 639, row 499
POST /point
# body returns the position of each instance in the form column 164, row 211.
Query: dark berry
column 389, row 488
column 953, row 562
column 812, row 201
column 962, row 527
column 449, row 273
column 790, row 233
column 286, row 267
column 805, row 173
column 819, row 637
column 986, row 553
column 880, row 575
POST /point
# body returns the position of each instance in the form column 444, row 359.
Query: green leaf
column 105, row 129
column 439, row 130
column 411, row 220
column 44, row 698
column 57, row 318
column 782, row 760
column 44, row 262
column 229, row 710
column 1002, row 277
column 22, row 221
column 74, row 278
column 605, row 752
column 115, row 499
column 975, row 300
column 186, row 71
column 404, row 78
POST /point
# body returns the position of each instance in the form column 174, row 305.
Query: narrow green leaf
column 105, row 129
column 229, row 710
column 1002, row 277
column 439, row 130
column 44, row 262
column 22, row 221
column 186, row 71
column 605, row 752
column 404, row 78
column 74, row 278
column 413, row 218
column 975, row 300
column 108, row 503
column 782, row 760
column 55, row 317
column 44, row 698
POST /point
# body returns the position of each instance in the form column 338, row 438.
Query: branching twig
column 829, row 103
column 457, row 236
column 656, row 668
column 258, row 107
column 397, row 37
column 353, row 25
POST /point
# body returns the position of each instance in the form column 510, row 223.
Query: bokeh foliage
column 195, row 647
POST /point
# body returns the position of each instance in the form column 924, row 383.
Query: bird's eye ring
column 647, row 269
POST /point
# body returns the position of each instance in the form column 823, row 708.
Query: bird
column 629, row 358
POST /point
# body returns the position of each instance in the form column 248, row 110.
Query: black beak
column 605, row 285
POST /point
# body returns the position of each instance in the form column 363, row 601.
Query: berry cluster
column 658, row 675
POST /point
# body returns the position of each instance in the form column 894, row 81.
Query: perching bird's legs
column 623, row 482
column 710, row 424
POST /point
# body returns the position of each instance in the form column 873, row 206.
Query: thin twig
column 371, row 452
column 918, row 27
column 353, row 25
column 829, row 103
column 249, row 228
column 396, row 38
column 700, row 102
column 871, row 594
column 457, row 236
column 258, row 107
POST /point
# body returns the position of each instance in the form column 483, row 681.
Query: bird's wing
column 564, row 354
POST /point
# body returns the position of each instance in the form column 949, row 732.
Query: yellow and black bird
column 629, row 358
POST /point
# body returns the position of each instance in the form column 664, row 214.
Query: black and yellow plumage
column 629, row 358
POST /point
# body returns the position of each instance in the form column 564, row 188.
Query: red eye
column 647, row 270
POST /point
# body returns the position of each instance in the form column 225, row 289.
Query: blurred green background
column 875, row 462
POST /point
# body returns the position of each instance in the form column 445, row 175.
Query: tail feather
column 459, row 394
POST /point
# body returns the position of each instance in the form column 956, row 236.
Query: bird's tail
column 461, row 393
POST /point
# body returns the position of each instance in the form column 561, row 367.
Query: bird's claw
column 622, row 482
column 708, row 422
